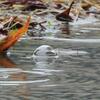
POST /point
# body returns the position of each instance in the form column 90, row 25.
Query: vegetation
column 45, row 15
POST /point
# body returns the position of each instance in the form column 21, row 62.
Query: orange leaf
column 12, row 38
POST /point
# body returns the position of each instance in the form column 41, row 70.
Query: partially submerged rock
column 44, row 51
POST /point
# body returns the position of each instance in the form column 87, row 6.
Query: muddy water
column 73, row 75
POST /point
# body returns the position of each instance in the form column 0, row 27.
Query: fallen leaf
column 13, row 37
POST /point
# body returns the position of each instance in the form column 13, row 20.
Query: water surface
column 74, row 75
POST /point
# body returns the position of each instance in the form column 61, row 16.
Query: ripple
column 6, row 71
column 8, row 97
column 74, row 42
column 96, row 29
column 48, row 70
column 22, row 82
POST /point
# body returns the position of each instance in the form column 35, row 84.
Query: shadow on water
column 6, row 62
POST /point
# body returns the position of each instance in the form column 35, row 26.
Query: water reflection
column 9, row 72
column 73, row 75
column 6, row 62
column 9, row 69
column 11, row 76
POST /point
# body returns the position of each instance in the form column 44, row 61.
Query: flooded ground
column 73, row 75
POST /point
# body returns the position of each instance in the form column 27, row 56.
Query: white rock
column 45, row 50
